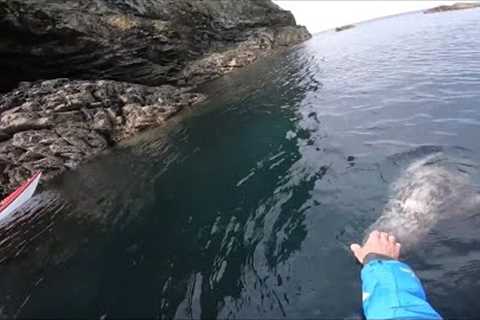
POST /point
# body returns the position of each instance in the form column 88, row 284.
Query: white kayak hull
column 20, row 196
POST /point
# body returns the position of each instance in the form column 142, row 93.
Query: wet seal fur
column 428, row 191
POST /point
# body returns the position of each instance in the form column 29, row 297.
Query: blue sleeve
column 392, row 290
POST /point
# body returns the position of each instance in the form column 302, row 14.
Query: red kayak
column 18, row 198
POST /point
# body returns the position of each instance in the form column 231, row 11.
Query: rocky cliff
column 142, row 41
column 125, row 65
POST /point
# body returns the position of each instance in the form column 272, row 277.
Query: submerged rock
column 455, row 6
column 54, row 125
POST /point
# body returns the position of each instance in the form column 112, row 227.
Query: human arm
column 390, row 289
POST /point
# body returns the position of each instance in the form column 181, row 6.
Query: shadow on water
column 245, row 206
column 173, row 211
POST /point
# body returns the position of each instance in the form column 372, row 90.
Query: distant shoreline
column 345, row 27
column 453, row 7
column 427, row 11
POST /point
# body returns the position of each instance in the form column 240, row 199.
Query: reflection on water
column 245, row 207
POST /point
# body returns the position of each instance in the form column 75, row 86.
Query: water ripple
column 245, row 206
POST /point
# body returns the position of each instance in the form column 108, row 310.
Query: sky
column 323, row 15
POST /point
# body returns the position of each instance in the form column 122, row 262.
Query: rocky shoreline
column 54, row 125
column 100, row 71
column 343, row 28
column 455, row 6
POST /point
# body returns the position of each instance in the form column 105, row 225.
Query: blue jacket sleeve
column 392, row 290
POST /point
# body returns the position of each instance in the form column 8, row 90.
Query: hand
column 379, row 243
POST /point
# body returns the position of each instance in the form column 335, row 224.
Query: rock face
column 143, row 41
column 455, row 6
column 116, row 67
column 56, row 124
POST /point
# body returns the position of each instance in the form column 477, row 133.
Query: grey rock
column 143, row 41
column 153, row 53
column 11, row 122
column 38, row 135
column 289, row 35
column 102, row 121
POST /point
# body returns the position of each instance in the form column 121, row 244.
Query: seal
column 427, row 191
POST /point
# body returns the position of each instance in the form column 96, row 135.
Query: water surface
column 245, row 207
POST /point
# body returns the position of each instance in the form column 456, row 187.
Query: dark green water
column 245, row 206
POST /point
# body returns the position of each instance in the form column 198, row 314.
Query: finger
column 391, row 238
column 374, row 235
column 398, row 246
column 384, row 236
column 356, row 250
column 355, row 247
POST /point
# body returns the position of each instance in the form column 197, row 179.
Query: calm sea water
column 245, row 207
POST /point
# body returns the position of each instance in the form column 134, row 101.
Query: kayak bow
column 18, row 198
